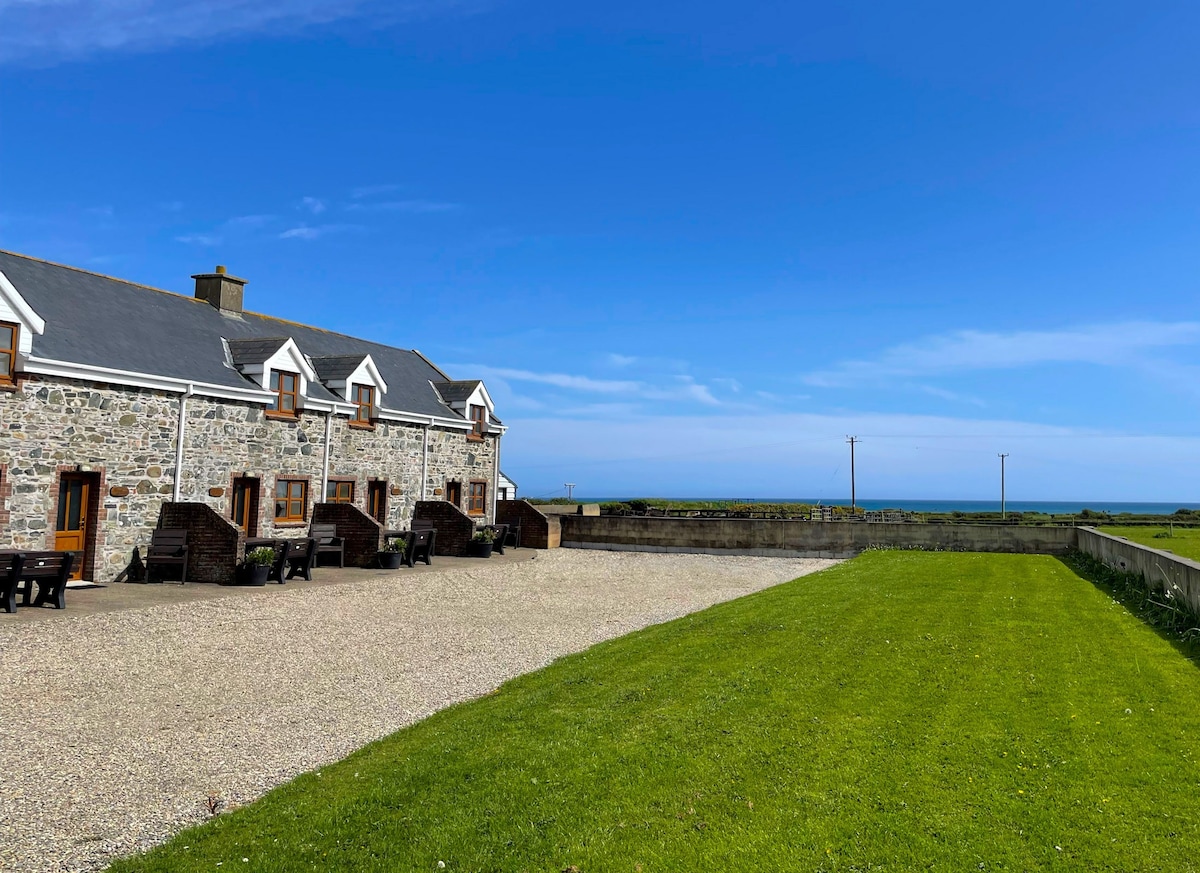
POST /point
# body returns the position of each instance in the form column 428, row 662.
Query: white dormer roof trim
column 14, row 308
column 289, row 357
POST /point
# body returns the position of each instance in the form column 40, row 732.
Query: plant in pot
column 480, row 545
column 258, row 565
column 391, row 556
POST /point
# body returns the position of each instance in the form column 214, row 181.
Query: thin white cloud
column 561, row 380
column 51, row 30
column 683, row 389
column 199, row 239
column 312, row 204
column 306, row 232
column 373, row 190
column 621, row 360
column 238, row 226
column 414, row 207
column 731, row 384
column 954, row 397
column 1100, row 344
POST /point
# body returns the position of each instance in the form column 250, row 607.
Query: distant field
column 902, row 711
column 1183, row 541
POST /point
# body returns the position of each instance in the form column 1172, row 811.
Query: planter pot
column 479, row 550
column 254, row 575
column 391, row 560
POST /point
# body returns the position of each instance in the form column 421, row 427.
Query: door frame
column 85, row 567
column 253, row 504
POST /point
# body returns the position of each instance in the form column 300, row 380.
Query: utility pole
column 570, row 486
column 1002, row 456
column 852, row 440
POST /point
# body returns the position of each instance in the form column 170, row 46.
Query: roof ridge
column 94, row 273
column 276, row 318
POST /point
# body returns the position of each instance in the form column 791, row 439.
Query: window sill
column 282, row 416
column 362, row 425
column 474, row 437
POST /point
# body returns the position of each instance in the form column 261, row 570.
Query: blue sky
column 689, row 246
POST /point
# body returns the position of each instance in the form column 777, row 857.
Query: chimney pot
column 221, row 269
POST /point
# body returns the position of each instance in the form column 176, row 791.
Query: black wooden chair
column 168, row 548
column 501, row 532
column 514, row 536
column 421, row 547
column 50, row 572
column 10, row 578
column 423, row 524
column 328, row 542
column 300, row 557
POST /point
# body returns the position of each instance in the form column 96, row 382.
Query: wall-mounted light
column 437, row 492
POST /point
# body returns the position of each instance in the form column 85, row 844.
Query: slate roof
column 456, row 392
column 254, row 351
column 336, row 366
column 105, row 322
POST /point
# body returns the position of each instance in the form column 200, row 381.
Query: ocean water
column 1050, row 507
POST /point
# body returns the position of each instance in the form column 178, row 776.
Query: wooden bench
column 50, row 572
column 300, row 557
column 168, row 548
column 514, row 535
column 10, row 578
column 328, row 542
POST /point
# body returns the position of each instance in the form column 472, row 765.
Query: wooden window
column 339, row 492
column 476, row 502
column 364, row 399
column 478, row 419
column 291, row 499
column 8, row 352
column 287, row 390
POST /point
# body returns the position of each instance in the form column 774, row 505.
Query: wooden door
column 377, row 501
column 73, row 526
column 245, row 503
column 454, row 493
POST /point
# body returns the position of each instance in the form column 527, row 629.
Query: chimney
column 221, row 290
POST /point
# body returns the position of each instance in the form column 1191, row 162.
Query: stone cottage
column 116, row 397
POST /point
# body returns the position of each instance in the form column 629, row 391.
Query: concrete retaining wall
column 1161, row 571
column 770, row 537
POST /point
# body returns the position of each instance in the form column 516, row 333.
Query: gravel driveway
column 115, row 727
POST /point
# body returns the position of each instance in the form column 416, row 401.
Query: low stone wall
column 362, row 534
column 538, row 531
column 454, row 527
column 214, row 542
column 1161, row 571
column 784, row 538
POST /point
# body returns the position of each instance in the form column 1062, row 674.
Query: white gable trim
column 14, row 308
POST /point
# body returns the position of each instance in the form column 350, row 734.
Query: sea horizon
column 1049, row 507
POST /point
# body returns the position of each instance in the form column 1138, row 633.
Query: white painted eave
column 92, row 373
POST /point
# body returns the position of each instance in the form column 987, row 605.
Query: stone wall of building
column 124, row 438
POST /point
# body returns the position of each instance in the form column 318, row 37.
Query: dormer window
column 9, row 335
column 478, row 420
column 364, row 402
column 287, row 388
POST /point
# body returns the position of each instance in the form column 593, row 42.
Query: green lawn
column 901, row 711
column 1183, row 541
